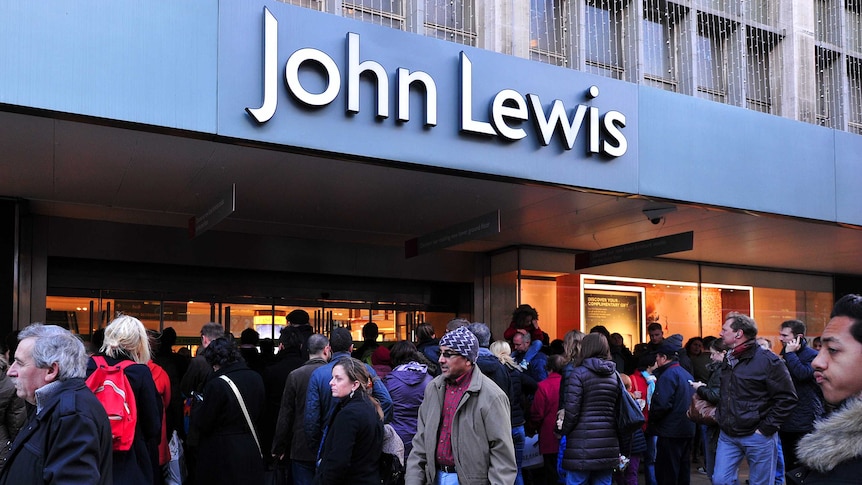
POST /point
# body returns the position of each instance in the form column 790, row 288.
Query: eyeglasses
column 449, row 354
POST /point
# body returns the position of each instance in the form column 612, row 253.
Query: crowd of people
column 461, row 409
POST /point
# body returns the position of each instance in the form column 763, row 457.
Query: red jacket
column 163, row 386
column 543, row 413
column 640, row 384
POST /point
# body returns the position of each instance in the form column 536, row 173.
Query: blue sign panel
column 295, row 77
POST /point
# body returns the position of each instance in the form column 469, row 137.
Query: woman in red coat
column 543, row 415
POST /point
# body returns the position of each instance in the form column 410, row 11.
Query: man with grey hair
column 289, row 437
column 757, row 396
column 67, row 438
column 197, row 375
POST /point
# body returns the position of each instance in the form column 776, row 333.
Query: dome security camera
column 656, row 214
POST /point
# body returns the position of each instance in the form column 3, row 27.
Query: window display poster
column 617, row 310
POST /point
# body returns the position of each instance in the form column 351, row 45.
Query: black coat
column 139, row 465
column 756, row 392
column 522, row 388
column 353, row 444
column 590, row 403
column 69, row 442
column 227, row 452
column 832, row 453
column 274, row 378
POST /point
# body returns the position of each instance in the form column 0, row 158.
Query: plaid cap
column 463, row 341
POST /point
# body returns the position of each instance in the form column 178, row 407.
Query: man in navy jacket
column 67, row 438
column 667, row 418
column 798, row 357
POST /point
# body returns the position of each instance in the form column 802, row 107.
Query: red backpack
column 112, row 388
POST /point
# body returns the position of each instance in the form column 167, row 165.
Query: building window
column 388, row 13
column 854, row 25
column 312, row 4
column 660, row 45
column 827, row 89
column 826, row 22
column 451, row 20
column 603, row 38
column 547, row 26
column 712, row 58
column 761, row 11
column 758, row 86
column 854, row 74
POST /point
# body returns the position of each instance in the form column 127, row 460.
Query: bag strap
column 244, row 410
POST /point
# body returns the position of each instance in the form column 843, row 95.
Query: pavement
column 698, row 478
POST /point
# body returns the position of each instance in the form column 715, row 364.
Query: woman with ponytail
column 353, row 439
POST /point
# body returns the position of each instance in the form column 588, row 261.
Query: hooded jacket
column 406, row 385
column 590, row 422
column 832, row 453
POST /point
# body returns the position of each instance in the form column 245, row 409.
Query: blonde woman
column 521, row 385
column 126, row 340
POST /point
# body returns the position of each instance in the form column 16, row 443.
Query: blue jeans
column 444, row 478
column 584, row 477
column 518, row 437
column 303, row 472
column 649, row 460
column 759, row 451
column 779, row 463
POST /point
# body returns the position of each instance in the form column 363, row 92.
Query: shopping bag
column 532, row 456
column 174, row 471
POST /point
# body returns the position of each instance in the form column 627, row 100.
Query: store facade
column 191, row 97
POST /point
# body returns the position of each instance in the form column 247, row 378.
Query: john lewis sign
column 508, row 109
column 301, row 78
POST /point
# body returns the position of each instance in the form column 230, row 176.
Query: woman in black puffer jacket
column 589, row 422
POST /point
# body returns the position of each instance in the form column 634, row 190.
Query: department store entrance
column 186, row 298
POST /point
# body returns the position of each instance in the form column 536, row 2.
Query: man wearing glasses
column 464, row 432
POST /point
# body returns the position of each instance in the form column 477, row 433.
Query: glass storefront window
column 685, row 298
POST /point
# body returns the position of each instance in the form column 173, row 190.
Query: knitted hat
column 463, row 341
column 671, row 345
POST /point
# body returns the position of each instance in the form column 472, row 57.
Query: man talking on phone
column 798, row 356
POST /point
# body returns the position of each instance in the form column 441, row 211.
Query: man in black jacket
column 757, row 396
column 67, row 438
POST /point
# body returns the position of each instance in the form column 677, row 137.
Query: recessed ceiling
column 68, row 168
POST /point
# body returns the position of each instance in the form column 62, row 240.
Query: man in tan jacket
column 464, row 434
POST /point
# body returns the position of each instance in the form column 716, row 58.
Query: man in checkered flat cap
column 464, row 433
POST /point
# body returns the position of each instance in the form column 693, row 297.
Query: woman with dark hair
column 353, row 439
column 406, row 384
column 589, row 402
column 710, row 391
column 229, row 450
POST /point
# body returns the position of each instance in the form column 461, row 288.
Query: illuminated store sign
column 509, row 113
